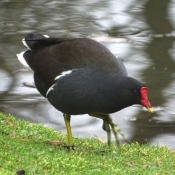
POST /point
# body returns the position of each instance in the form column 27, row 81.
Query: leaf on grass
column 55, row 143
column 10, row 123
column 143, row 152
column 80, row 154
column 159, row 162
column 145, row 166
column 131, row 164
column 100, row 139
column 12, row 134
column 46, row 168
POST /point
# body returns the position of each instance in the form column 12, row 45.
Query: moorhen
column 81, row 76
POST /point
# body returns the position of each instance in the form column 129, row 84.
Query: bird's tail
column 37, row 41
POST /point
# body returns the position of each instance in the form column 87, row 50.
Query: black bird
column 81, row 76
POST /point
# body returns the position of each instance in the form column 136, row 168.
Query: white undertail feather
column 25, row 44
column 21, row 59
column 63, row 74
column 47, row 36
column 20, row 56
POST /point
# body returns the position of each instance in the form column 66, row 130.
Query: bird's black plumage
column 49, row 57
column 90, row 79
column 87, row 90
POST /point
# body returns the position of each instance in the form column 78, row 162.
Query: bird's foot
column 116, row 130
column 107, row 123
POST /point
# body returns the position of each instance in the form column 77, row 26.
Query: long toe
column 116, row 130
column 107, row 129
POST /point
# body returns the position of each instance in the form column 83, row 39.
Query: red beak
column 145, row 102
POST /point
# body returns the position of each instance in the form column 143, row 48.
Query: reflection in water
column 125, row 23
column 161, row 72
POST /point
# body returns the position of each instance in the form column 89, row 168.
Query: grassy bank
column 35, row 150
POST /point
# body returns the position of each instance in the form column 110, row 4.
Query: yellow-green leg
column 116, row 130
column 68, row 127
column 107, row 121
column 108, row 131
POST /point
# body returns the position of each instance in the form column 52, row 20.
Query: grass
column 32, row 149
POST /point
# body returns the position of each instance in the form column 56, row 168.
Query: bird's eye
column 136, row 92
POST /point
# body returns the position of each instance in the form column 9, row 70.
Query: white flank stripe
column 50, row 89
column 56, row 78
column 47, row 36
column 25, row 44
column 21, row 59
column 63, row 74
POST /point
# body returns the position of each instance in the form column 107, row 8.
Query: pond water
column 140, row 33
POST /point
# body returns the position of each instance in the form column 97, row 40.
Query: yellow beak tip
column 150, row 110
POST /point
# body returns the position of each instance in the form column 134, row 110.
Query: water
column 141, row 34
